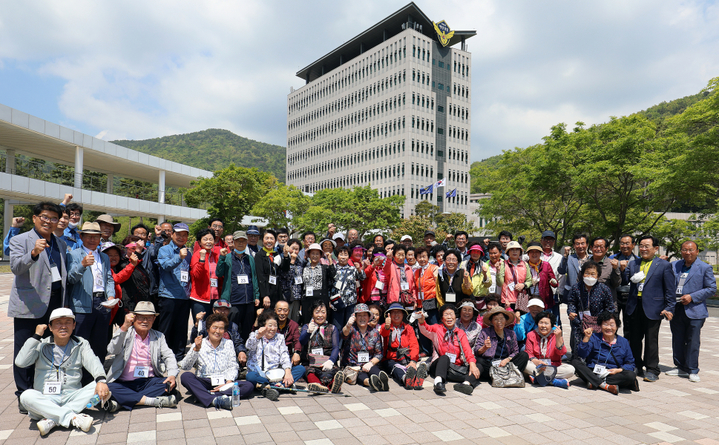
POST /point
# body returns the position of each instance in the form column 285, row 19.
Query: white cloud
column 145, row 69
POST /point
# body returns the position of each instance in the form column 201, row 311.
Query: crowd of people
column 105, row 324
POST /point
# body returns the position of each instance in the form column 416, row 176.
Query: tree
column 426, row 209
column 282, row 206
column 359, row 208
column 230, row 193
column 414, row 226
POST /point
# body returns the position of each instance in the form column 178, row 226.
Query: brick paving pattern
column 672, row 410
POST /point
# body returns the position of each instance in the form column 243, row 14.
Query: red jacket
column 532, row 348
column 391, row 273
column 368, row 284
column 546, row 274
column 120, row 278
column 200, row 275
column 407, row 339
column 437, row 332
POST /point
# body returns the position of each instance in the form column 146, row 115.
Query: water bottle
column 94, row 401
column 236, row 395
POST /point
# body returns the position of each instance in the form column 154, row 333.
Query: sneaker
column 463, row 388
column 223, row 402
column 677, row 373
column 410, row 383
column 694, row 378
column 409, row 377
column 384, row 378
column 167, row 401
column 561, row 383
column 375, row 383
column 316, row 387
column 337, row 383
column 83, row 422
column 270, row 393
column 650, row 377
column 45, row 426
column 21, row 407
column 590, row 386
column 611, row 388
column 421, row 375
column 111, row 406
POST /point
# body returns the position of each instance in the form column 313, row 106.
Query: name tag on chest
column 404, row 285
column 141, row 372
column 55, row 273
column 452, row 357
column 273, row 280
column 217, row 379
column 243, row 279
column 362, row 357
column 52, row 388
column 451, row 297
column 184, row 276
column 599, row 369
column 309, row 291
column 213, row 282
column 640, row 287
column 298, row 279
column 317, row 351
column 379, row 285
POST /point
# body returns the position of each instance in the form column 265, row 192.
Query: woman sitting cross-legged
column 321, row 346
column 545, row 348
column 608, row 357
column 497, row 344
column 216, row 366
column 452, row 356
column 401, row 349
column 363, row 347
column 266, row 350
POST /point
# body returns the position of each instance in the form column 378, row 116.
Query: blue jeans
column 297, row 373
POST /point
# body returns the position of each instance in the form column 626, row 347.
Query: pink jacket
column 521, row 273
column 391, row 273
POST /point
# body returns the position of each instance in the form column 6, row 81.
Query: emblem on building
column 443, row 32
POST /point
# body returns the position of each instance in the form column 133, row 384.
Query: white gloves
column 367, row 366
column 328, row 365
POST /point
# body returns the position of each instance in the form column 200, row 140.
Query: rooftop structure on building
column 390, row 108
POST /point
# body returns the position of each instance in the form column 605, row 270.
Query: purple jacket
column 509, row 335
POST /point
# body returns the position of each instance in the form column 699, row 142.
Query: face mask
column 72, row 225
column 590, row 281
column 240, row 252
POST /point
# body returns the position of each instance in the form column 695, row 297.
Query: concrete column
column 110, row 183
column 10, row 162
column 161, row 187
column 78, row 166
column 160, row 219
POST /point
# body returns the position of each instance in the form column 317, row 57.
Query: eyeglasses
column 217, row 226
column 45, row 218
column 75, row 214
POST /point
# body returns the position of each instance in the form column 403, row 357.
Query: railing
column 43, row 170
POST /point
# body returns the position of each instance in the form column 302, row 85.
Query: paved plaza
column 672, row 410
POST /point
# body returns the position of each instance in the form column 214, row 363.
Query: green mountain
column 213, row 150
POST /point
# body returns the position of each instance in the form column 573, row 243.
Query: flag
column 451, row 194
column 427, row 190
column 440, row 183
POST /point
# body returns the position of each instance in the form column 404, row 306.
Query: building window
column 440, row 108
column 440, row 64
column 440, row 130
column 440, row 86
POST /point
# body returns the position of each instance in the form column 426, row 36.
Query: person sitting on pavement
column 545, row 348
column 497, row 344
column 468, row 313
column 57, row 396
column 526, row 322
column 321, row 346
column 290, row 330
column 267, row 351
column 364, row 349
column 140, row 355
column 452, row 356
column 215, row 366
column 402, row 349
column 608, row 357
column 232, row 331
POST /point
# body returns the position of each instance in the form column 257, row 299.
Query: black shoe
column 439, row 388
column 384, row 378
column 464, row 389
column 20, row 407
column 223, row 402
column 650, row 377
column 270, row 393
column 640, row 372
column 375, row 383
column 111, row 406
column 635, row 385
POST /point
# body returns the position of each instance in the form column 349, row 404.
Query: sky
column 139, row 69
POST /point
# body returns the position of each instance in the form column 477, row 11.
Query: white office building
column 389, row 108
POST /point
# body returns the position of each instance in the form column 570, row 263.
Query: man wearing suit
column 694, row 284
column 37, row 259
column 571, row 265
column 90, row 287
column 651, row 297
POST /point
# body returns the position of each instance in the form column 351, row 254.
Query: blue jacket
column 659, row 289
column 168, row 258
column 72, row 238
column 597, row 350
column 6, row 242
column 569, row 266
column 525, row 325
column 700, row 284
column 80, row 280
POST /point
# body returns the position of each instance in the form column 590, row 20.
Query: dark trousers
column 196, row 307
column 440, row 368
column 174, row 315
column 396, row 372
column 23, row 329
column 644, row 330
column 623, row 379
column 128, row 394
column 200, row 388
column 295, row 306
column 362, row 376
column 484, row 364
column 340, row 318
column 93, row 328
column 686, row 340
column 555, row 310
column 425, row 344
column 244, row 316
